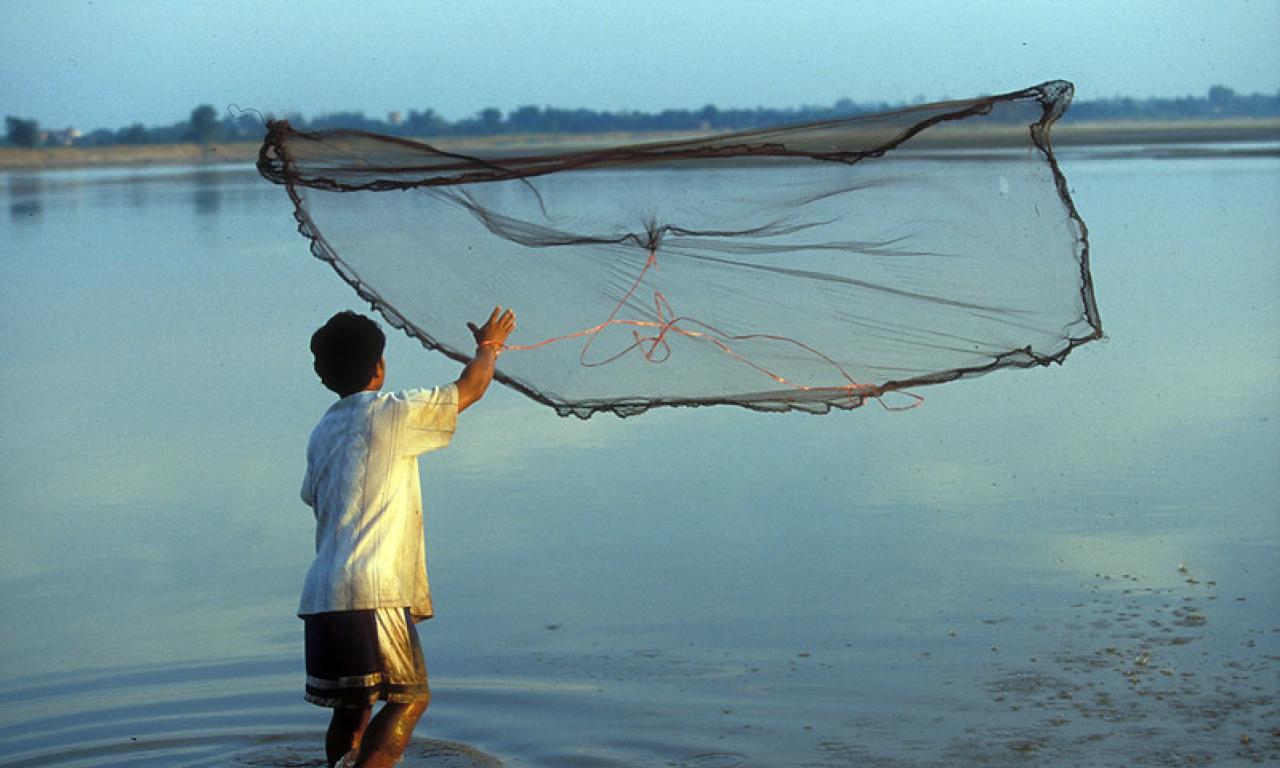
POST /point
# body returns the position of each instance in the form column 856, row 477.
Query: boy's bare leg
column 345, row 731
column 388, row 734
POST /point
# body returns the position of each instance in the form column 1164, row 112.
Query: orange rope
column 655, row 349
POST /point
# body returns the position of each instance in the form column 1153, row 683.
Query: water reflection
column 137, row 195
column 207, row 191
column 25, row 193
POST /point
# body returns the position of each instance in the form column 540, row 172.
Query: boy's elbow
column 469, row 392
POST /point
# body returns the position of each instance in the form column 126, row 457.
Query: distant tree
column 203, row 127
column 491, row 120
column 709, row 117
column 244, row 126
column 526, row 119
column 20, row 132
column 425, row 123
column 134, row 134
column 356, row 120
column 1220, row 95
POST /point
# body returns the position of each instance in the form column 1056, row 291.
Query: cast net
column 805, row 267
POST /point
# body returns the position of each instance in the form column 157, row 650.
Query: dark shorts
column 355, row 658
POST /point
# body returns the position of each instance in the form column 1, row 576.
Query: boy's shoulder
column 400, row 423
column 383, row 398
column 370, row 405
column 414, row 400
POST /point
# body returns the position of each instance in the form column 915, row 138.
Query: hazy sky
column 97, row 63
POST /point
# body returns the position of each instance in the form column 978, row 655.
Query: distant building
column 394, row 118
column 63, row 138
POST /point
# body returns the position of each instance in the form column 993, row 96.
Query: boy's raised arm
column 490, row 337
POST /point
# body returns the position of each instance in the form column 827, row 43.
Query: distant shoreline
column 1066, row 134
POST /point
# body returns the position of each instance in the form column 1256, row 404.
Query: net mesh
column 805, row 267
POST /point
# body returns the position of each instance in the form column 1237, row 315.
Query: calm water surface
column 1068, row 566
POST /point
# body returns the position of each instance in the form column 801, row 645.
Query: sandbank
column 1065, row 134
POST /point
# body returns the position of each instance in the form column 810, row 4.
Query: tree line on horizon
column 204, row 126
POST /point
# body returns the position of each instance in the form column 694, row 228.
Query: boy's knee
column 406, row 715
column 416, row 708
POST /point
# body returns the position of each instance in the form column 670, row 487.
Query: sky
column 102, row 64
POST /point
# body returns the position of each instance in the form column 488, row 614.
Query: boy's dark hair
column 347, row 350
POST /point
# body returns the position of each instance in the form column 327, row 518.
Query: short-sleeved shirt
column 362, row 483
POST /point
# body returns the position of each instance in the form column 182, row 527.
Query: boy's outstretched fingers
column 496, row 329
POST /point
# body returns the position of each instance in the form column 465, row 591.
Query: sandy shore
column 1065, row 134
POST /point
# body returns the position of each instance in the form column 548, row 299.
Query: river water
column 1065, row 566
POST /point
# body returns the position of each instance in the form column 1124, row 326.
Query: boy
column 367, row 586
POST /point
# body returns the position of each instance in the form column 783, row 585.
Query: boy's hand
column 496, row 329
column 491, row 336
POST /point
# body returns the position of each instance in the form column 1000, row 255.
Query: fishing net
column 805, row 267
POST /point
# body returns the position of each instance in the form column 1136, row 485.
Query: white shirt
column 362, row 483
